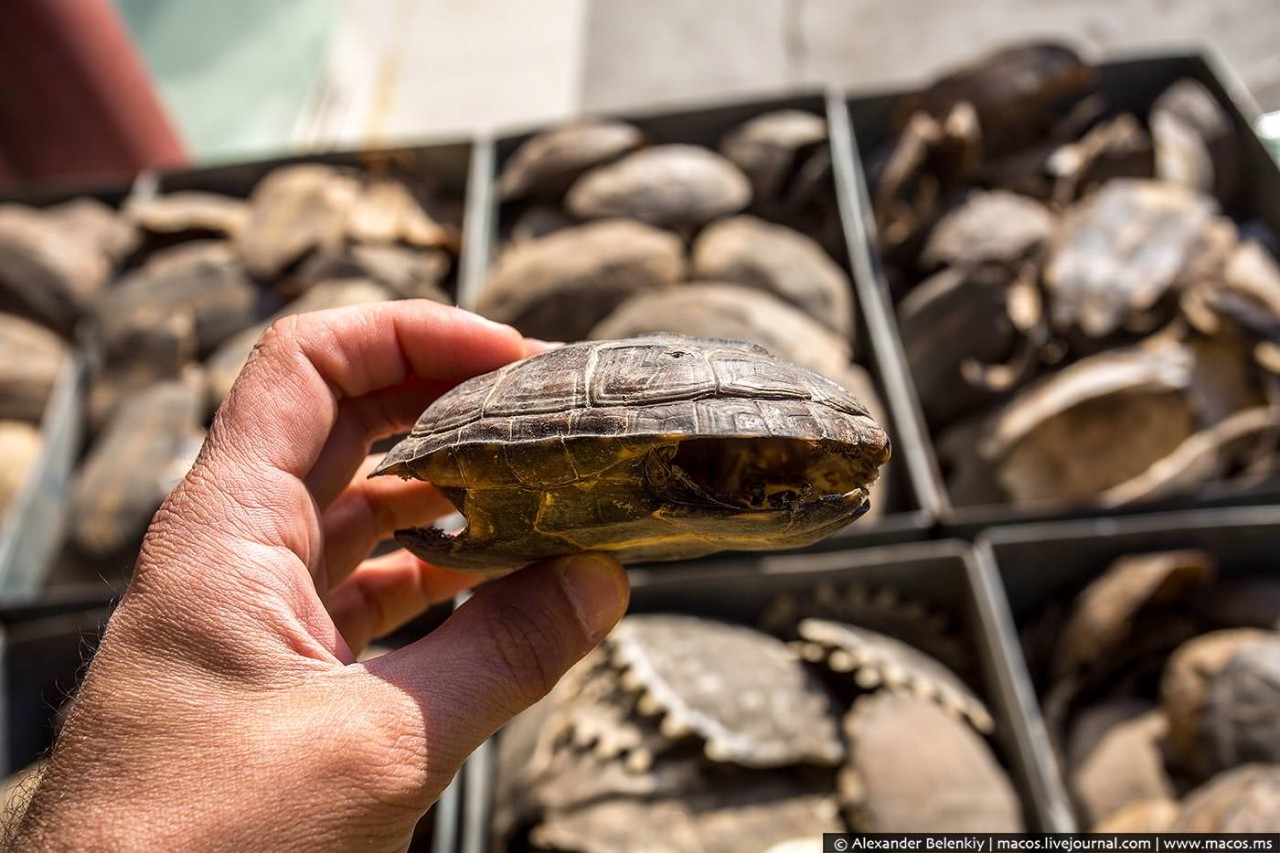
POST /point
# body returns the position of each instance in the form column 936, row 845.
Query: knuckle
column 528, row 648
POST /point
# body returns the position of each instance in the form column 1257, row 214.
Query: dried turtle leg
column 1119, row 148
column 744, row 695
column 913, row 767
column 873, row 660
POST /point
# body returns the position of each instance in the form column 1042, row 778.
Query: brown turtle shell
column 577, row 449
column 671, row 186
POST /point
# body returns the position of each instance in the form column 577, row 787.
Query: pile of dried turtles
column 847, row 708
column 608, row 233
column 1083, row 318
column 169, row 295
column 1161, row 689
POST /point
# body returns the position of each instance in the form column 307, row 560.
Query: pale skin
column 225, row 709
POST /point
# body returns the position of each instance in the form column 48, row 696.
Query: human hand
column 225, row 708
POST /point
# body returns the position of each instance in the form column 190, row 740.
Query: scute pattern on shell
column 771, row 713
column 665, row 385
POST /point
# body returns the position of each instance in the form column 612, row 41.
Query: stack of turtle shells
column 197, row 277
column 706, row 735
column 1162, row 691
column 1083, row 319
column 608, row 234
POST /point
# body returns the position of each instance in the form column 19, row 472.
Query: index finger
column 284, row 404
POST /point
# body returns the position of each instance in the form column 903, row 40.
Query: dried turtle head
column 749, row 251
column 1185, row 695
column 874, row 661
column 670, row 186
column 559, row 286
column 1246, row 799
column 770, row 147
column 1119, row 254
column 548, row 163
column 661, row 447
column 913, row 767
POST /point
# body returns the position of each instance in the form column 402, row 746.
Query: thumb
column 504, row 649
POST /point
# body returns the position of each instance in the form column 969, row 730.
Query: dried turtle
column 1126, row 766
column 1120, row 252
column 1246, row 799
column 1184, row 694
column 1242, row 711
column 1106, row 613
column 874, row 660
column 989, row 227
column 408, row 272
column 770, row 147
column 559, row 286
column 744, row 696
column 293, row 211
column 662, row 447
column 883, row 609
column 736, row 312
column 913, row 767
column 33, row 359
column 749, row 251
column 143, row 452
column 1018, row 92
column 20, row 446
column 48, row 272
column 188, row 213
column 226, row 362
column 218, row 295
column 158, row 344
column 1093, row 425
column 1195, row 143
column 671, row 186
column 547, row 164
column 386, row 212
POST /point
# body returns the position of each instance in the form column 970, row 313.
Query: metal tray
column 907, row 516
column 942, row 573
column 1034, row 564
column 1128, row 84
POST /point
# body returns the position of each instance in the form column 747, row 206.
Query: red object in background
column 76, row 101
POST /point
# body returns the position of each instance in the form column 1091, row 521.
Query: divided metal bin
column 1128, row 85
column 908, row 514
column 943, row 574
column 1034, row 565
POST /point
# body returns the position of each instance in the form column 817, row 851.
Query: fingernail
column 596, row 588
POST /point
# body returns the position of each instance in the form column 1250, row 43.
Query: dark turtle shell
column 659, row 447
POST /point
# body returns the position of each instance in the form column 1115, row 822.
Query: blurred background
column 242, row 77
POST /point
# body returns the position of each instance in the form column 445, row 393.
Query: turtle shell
column 659, row 447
